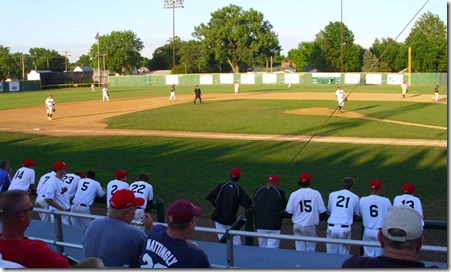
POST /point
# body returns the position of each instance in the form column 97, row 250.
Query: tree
column 86, row 60
column 122, row 51
column 45, row 59
column 235, row 36
column 392, row 55
column 302, row 56
column 5, row 63
column 327, row 55
column 370, row 62
column 428, row 40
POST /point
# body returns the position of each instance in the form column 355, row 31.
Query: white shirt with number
column 374, row 208
column 343, row 204
column 88, row 189
column 23, row 178
column 43, row 183
column 57, row 191
column 72, row 183
column 305, row 205
column 411, row 201
column 112, row 187
column 143, row 190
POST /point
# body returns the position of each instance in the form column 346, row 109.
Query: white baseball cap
column 404, row 218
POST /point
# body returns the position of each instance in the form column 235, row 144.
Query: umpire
column 269, row 204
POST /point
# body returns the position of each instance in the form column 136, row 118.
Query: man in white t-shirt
column 72, row 180
column 57, row 195
column 88, row 189
column 24, row 179
column 305, row 206
column 374, row 208
column 342, row 205
column 120, row 182
column 40, row 191
column 142, row 188
column 407, row 198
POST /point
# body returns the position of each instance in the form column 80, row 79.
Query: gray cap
column 404, row 218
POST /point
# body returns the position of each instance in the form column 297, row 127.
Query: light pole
column 341, row 37
column 173, row 4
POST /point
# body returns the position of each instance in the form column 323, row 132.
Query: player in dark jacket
column 269, row 204
column 226, row 199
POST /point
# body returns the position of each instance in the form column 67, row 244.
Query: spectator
column 112, row 238
column 57, row 195
column 407, row 198
column 374, row 209
column 87, row 191
column 24, row 178
column 120, row 182
column 16, row 212
column 226, row 199
column 40, row 191
column 342, row 205
column 305, row 207
column 401, row 238
column 269, row 204
column 142, row 188
column 5, row 175
column 169, row 247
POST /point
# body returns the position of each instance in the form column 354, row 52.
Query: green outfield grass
column 189, row 168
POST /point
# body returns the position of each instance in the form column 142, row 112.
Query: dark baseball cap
column 182, row 212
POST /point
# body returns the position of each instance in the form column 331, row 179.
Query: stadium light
column 173, row 4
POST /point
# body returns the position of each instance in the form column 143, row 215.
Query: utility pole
column 65, row 60
column 341, row 37
column 22, row 58
column 173, row 4
column 103, row 59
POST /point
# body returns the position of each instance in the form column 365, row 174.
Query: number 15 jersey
column 305, row 205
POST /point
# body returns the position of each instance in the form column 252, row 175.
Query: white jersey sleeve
column 43, row 183
column 22, row 179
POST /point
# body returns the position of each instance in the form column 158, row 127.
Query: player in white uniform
column 404, row 89
column 305, row 206
column 374, row 208
column 50, row 106
column 408, row 199
column 342, row 205
column 72, row 180
column 40, row 191
column 105, row 94
column 88, row 189
column 24, row 179
column 172, row 96
column 57, row 195
column 236, row 87
column 142, row 188
column 116, row 184
column 341, row 96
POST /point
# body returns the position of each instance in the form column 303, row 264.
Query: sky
column 70, row 27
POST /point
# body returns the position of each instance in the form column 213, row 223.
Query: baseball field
column 265, row 130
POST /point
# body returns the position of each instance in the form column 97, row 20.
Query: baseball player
column 305, row 207
column 72, row 181
column 93, row 87
column 408, row 199
column 24, row 179
column 404, row 89
column 342, row 205
column 172, row 96
column 435, row 97
column 87, row 191
column 373, row 209
column 197, row 94
column 120, row 182
column 105, row 94
column 236, row 87
column 226, row 199
column 57, row 195
column 142, row 188
column 340, row 97
column 41, row 189
column 50, row 106
column 269, row 204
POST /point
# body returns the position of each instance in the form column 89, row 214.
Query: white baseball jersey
column 112, row 187
column 343, row 204
column 71, row 181
column 340, row 96
column 237, row 87
column 88, row 189
column 373, row 209
column 49, row 102
column 305, row 205
column 409, row 200
column 142, row 189
column 404, row 88
column 57, row 191
column 23, row 179
column 43, row 183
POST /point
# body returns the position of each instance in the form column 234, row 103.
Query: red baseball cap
column 125, row 198
column 80, row 174
column 408, row 188
column 305, row 177
column 375, row 184
column 120, row 174
column 59, row 165
column 28, row 163
column 182, row 212
column 274, row 178
column 235, row 173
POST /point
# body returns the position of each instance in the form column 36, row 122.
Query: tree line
column 235, row 39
